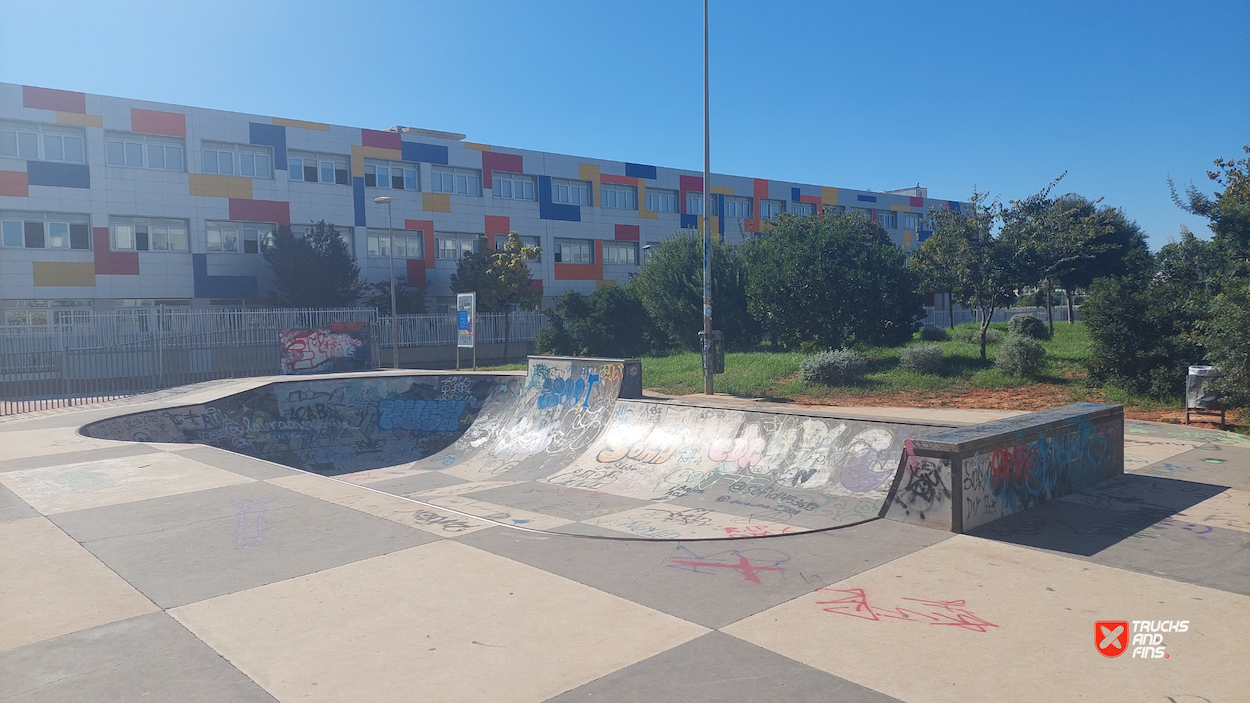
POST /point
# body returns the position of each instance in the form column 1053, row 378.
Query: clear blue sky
column 864, row 95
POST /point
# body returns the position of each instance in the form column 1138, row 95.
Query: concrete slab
column 236, row 463
column 1183, row 501
column 51, row 586
column 21, row 443
column 561, row 501
column 117, row 450
column 1139, row 454
column 670, row 521
column 1216, row 464
column 505, row 514
column 437, row 522
column 443, row 622
column 715, row 668
column 185, row 548
column 91, row 484
column 1006, row 622
column 14, row 508
column 1136, row 540
column 149, row 657
column 424, row 481
column 707, row 582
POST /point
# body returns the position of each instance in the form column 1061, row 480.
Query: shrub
column 972, row 335
column 931, row 333
column 1020, row 356
column 922, row 358
column 833, row 367
column 1028, row 326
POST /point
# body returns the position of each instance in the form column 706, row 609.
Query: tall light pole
column 707, row 236
column 390, row 251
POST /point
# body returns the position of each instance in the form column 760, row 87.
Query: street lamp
column 707, row 236
column 390, row 251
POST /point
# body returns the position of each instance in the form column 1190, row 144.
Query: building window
column 345, row 233
column 45, row 312
column 512, row 185
column 662, row 200
column 694, row 203
column 387, row 174
column 770, row 209
column 737, row 207
column 501, row 240
column 148, row 234
column 620, row 253
column 409, row 244
column 463, row 181
column 40, row 142
column 36, row 230
column 239, row 237
column 143, row 151
column 319, row 168
column 888, row 218
column 913, row 221
column 803, row 209
column 452, row 246
column 834, row 209
column 570, row 192
column 620, row 197
column 574, row 251
column 863, row 211
column 237, row 159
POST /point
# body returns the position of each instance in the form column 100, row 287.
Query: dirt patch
column 1037, row 396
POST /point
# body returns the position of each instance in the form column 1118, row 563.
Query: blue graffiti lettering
column 424, row 415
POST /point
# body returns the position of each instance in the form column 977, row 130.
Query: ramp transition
column 558, row 449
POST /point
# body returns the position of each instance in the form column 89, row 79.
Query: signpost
column 466, row 325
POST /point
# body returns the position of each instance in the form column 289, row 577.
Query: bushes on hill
column 1028, row 326
column 834, row 367
column 1020, row 356
column 972, row 335
column 933, row 333
column 922, row 358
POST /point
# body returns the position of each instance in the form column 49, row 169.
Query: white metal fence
column 941, row 317
column 111, row 355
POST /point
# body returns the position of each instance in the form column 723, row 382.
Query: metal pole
column 707, row 235
column 390, row 227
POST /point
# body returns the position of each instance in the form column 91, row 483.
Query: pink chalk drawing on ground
column 854, row 602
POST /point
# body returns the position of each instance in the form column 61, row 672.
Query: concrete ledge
column 962, row 478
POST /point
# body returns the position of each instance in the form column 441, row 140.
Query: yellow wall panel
column 477, row 147
column 605, row 284
column 590, row 172
column 301, row 124
column 901, row 208
column 65, row 273
column 79, row 120
column 210, row 186
column 436, row 202
column 828, row 196
column 721, row 190
column 360, row 153
column 906, row 237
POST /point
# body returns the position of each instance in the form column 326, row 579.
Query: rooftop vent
column 431, row 133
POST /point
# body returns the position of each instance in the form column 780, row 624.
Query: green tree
column 501, row 279
column 409, row 299
column 609, row 322
column 983, row 271
column 315, row 270
column 832, row 279
column 670, row 287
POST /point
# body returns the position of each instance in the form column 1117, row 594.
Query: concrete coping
column 762, row 406
column 1019, row 427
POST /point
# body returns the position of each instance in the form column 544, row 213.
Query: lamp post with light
column 390, row 251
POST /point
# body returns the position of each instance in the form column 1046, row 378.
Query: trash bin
column 716, row 350
column 1199, row 398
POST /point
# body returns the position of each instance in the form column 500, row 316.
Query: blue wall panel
column 954, row 205
column 207, row 286
column 794, row 194
column 867, row 198
column 427, row 153
column 50, row 173
column 923, row 234
column 720, row 207
column 639, row 171
column 548, row 210
column 689, row 221
column 358, row 199
column 270, row 135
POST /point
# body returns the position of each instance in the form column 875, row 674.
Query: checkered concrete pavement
column 187, row 573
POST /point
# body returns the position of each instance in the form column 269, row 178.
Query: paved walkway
column 185, row 573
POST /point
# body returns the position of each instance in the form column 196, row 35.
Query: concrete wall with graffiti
column 341, row 347
column 329, row 426
column 960, row 479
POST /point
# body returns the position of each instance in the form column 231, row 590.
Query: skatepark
column 557, row 534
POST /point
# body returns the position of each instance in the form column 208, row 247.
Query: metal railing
column 114, row 355
column 941, row 317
